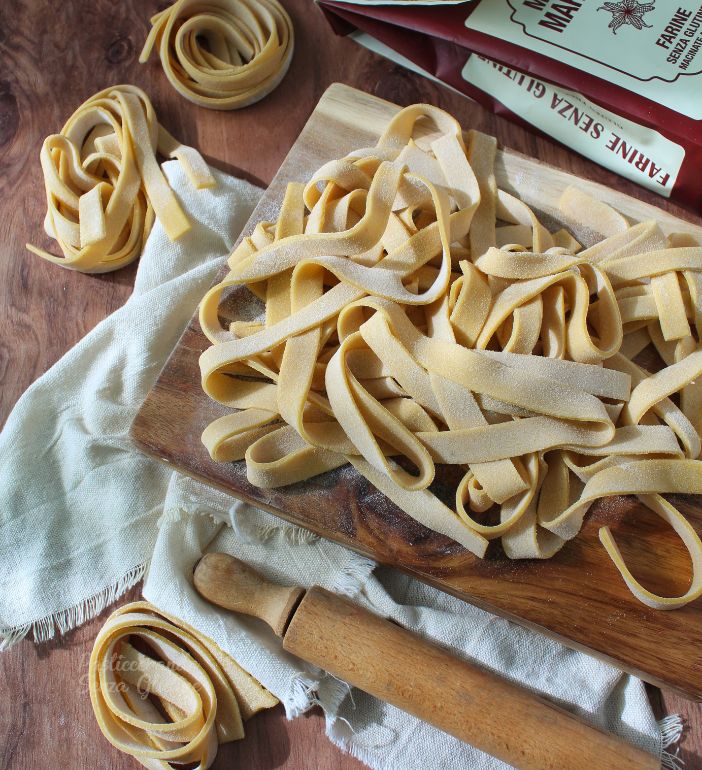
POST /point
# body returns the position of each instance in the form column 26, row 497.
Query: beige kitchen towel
column 80, row 511
column 198, row 519
column 78, row 505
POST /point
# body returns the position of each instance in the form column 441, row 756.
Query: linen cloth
column 78, row 505
column 82, row 513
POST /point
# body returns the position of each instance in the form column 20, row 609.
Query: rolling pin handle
column 232, row 584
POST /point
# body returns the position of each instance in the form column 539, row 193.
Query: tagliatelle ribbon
column 413, row 315
column 223, row 54
column 143, row 657
column 104, row 187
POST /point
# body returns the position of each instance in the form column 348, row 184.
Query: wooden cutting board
column 577, row 597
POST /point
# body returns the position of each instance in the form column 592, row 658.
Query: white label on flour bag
column 635, row 152
column 651, row 47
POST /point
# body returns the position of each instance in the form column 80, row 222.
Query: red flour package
column 619, row 82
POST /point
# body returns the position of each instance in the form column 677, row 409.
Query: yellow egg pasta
column 163, row 692
column 104, row 187
column 223, row 54
column 413, row 315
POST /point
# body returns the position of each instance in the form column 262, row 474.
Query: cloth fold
column 82, row 513
column 78, row 505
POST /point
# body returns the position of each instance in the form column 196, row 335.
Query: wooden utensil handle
column 232, row 584
column 462, row 699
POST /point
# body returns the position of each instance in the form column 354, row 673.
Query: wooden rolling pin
column 424, row 679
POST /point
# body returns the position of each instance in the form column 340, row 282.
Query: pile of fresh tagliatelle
column 104, row 186
column 415, row 311
column 164, row 693
column 223, row 54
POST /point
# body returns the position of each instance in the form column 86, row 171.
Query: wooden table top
column 51, row 62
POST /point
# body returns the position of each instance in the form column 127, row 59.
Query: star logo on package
column 627, row 12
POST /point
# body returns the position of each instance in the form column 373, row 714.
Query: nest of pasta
column 416, row 315
column 164, row 693
column 104, row 186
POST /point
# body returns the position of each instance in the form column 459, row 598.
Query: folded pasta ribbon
column 413, row 315
column 104, row 187
column 222, row 54
column 165, row 693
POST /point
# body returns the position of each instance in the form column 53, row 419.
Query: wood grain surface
column 53, row 56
